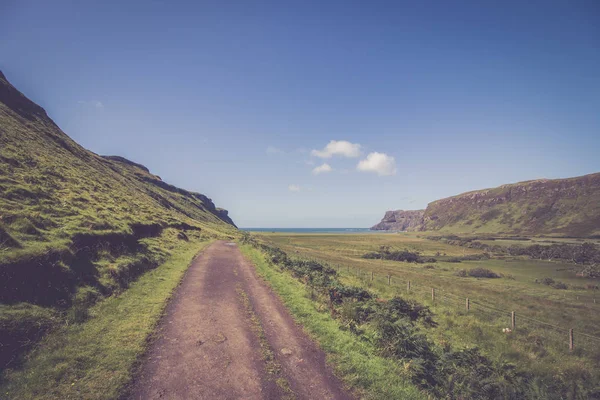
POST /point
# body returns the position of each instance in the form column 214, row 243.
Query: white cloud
column 98, row 104
column 274, row 150
column 380, row 163
column 322, row 169
column 294, row 188
column 338, row 147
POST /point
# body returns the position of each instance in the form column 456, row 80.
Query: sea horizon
column 308, row 230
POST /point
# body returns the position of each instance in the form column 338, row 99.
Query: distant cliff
column 564, row 207
column 401, row 220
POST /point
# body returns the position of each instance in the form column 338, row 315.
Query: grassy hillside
column 562, row 207
column 551, row 207
column 76, row 227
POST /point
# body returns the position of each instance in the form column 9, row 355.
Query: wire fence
column 510, row 321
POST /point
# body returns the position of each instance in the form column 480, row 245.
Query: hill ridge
column 77, row 227
column 562, row 207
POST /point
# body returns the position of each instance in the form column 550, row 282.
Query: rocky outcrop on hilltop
column 401, row 220
column 224, row 215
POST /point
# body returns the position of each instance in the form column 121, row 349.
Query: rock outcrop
column 401, row 220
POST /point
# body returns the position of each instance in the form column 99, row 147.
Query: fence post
column 513, row 320
column 372, row 276
column 432, row 294
column 468, row 305
column 571, row 341
column 348, row 269
column 408, row 286
column 389, row 279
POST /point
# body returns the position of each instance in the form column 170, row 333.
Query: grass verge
column 98, row 358
column 472, row 351
column 356, row 362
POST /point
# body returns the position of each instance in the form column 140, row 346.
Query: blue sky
column 231, row 98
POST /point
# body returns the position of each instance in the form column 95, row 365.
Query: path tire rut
column 226, row 335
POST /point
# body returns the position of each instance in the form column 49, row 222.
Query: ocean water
column 309, row 230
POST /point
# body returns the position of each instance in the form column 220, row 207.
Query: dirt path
column 225, row 335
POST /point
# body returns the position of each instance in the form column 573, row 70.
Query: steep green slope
column 563, row 207
column 75, row 226
column 51, row 188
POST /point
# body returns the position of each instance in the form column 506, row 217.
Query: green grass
column 569, row 308
column 76, row 227
column 52, row 189
column 355, row 361
column 534, row 348
column 97, row 359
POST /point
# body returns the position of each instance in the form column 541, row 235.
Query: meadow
column 544, row 315
column 517, row 291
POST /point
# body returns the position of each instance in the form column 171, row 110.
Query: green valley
column 77, row 231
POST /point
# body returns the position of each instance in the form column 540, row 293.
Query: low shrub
column 401, row 339
column 474, row 376
column 397, row 308
column 385, row 253
column 477, row 273
column 560, row 285
column 552, row 283
column 545, row 281
column 340, row 293
column 482, row 273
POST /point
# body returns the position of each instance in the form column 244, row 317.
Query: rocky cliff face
column 565, row 207
column 401, row 220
